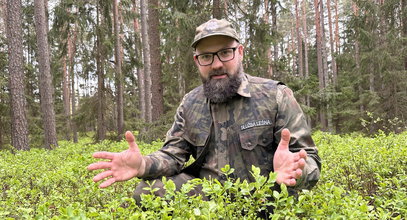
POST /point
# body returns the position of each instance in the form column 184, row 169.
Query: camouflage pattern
column 214, row 27
column 244, row 131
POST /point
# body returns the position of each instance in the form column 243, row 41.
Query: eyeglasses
column 224, row 55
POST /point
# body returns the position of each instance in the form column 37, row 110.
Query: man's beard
column 221, row 90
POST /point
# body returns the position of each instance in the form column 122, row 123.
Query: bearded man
column 232, row 119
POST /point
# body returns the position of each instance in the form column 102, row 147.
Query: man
column 233, row 118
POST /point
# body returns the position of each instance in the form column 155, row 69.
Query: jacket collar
column 244, row 88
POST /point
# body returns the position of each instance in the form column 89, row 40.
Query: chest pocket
column 257, row 136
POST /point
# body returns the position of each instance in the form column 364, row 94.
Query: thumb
column 285, row 139
column 131, row 140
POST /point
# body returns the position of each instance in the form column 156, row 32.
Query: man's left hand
column 288, row 165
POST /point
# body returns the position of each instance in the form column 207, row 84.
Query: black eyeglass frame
column 216, row 53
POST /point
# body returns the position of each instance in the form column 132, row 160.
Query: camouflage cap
column 214, row 27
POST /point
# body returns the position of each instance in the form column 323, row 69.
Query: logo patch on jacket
column 257, row 123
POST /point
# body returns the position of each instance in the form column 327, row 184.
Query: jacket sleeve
column 292, row 117
column 170, row 159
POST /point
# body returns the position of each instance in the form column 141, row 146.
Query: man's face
column 221, row 78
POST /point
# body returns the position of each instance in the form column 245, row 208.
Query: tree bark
column 46, row 88
column 306, row 66
column 66, row 98
column 273, row 9
column 217, row 9
column 332, row 41
column 118, row 69
column 293, row 48
column 140, row 72
column 157, row 100
column 101, row 128
column 323, row 45
column 266, row 19
column 357, row 61
column 3, row 16
column 321, row 79
column 336, row 29
column 404, row 26
column 299, row 41
column 325, row 67
column 19, row 125
column 146, row 59
column 181, row 78
column 71, row 53
column 328, row 121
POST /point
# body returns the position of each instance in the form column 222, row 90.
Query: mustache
column 218, row 73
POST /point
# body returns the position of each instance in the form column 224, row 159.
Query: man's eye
column 225, row 52
column 206, row 56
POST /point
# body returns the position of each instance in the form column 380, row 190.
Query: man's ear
column 240, row 50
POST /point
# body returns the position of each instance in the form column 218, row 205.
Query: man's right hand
column 119, row 166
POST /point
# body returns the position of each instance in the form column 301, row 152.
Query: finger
column 290, row 182
column 285, row 139
column 104, row 155
column 301, row 163
column 107, row 183
column 131, row 140
column 102, row 175
column 298, row 173
column 303, row 153
column 100, row 165
column 296, row 157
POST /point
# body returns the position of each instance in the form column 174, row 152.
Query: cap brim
column 193, row 45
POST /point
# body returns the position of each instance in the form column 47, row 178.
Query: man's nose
column 216, row 64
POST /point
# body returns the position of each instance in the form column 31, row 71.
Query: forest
column 76, row 74
column 71, row 69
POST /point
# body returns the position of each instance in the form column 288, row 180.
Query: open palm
column 119, row 166
column 288, row 165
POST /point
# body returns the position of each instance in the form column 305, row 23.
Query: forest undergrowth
column 362, row 178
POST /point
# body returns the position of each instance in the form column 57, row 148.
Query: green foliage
column 372, row 74
column 362, row 178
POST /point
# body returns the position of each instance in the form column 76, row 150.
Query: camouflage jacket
column 241, row 132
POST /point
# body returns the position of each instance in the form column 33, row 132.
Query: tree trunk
column 73, row 111
column 273, row 8
column 305, row 33
column 293, row 48
column 336, row 29
column 71, row 54
column 404, row 26
column 140, row 72
column 146, row 59
column 266, row 19
column 325, row 67
column 357, row 61
column 321, row 79
column 101, row 128
column 323, row 45
column 299, row 42
column 19, row 125
column 181, row 78
column 332, row 41
column 46, row 88
column 217, row 9
column 66, row 97
column 3, row 16
column 157, row 100
column 118, row 68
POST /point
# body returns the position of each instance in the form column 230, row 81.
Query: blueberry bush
column 362, row 178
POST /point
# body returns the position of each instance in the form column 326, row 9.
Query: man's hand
column 120, row 166
column 288, row 165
